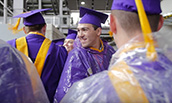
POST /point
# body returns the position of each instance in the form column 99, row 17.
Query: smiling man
column 132, row 76
column 92, row 57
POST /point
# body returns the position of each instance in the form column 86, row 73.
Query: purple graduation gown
column 54, row 62
column 59, row 41
column 81, row 63
column 16, row 76
column 151, row 78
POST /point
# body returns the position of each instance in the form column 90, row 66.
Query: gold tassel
column 15, row 28
column 111, row 33
column 146, row 29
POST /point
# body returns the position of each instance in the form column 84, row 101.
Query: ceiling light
column 82, row 3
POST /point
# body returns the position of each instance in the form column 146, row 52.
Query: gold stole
column 102, row 49
column 126, row 85
column 22, row 46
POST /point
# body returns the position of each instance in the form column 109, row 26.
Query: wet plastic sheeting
column 131, row 78
column 19, row 80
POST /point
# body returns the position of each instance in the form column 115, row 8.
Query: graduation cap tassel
column 15, row 28
column 17, row 24
column 111, row 33
column 151, row 52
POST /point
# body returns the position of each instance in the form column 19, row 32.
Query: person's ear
column 99, row 31
column 112, row 24
column 160, row 24
column 24, row 29
column 44, row 29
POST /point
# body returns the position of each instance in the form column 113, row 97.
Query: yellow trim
column 126, row 85
column 37, row 33
column 41, row 56
column 21, row 45
column 146, row 29
column 102, row 49
column 133, row 46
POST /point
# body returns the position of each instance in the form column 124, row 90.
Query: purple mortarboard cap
column 58, row 41
column 71, row 34
column 150, row 6
column 90, row 16
column 33, row 17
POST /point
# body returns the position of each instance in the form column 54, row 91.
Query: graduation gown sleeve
column 74, row 70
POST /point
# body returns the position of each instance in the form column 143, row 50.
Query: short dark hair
column 154, row 21
column 34, row 27
column 95, row 27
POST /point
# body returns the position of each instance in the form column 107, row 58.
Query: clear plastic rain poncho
column 82, row 63
column 131, row 78
column 139, row 72
column 19, row 80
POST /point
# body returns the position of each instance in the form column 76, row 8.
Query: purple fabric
column 157, row 74
column 154, row 78
column 96, row 87
column 150, row 6
column 54, row 62
column 12, row 42
column 79, row 62
column 71, row 34
column 90, row 16
column 15, row 86
column 77, row 43
column 32, row 17
column 59, row 41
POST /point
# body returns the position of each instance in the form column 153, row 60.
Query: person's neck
column 128, row 38
column 38, row 32
column 138, row 37
column 97, row 45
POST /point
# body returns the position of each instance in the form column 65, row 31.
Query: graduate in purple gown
column 69, row 40
column 91, row 57
column 139, row 71
column 20, row 82
column 48, row 58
